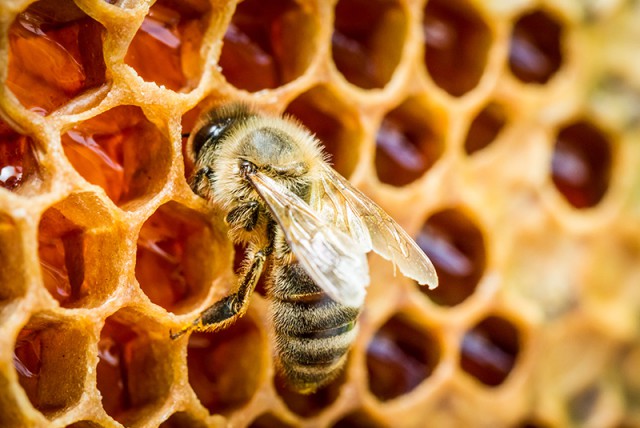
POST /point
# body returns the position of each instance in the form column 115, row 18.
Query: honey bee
column 307, row 224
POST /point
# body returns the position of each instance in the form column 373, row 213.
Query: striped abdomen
column 313, row 333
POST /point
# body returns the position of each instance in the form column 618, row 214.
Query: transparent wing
column 342, row 204
column 329, row 255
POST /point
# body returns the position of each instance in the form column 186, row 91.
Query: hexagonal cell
column 19, row 169
column 269, row 420
column 583, row 404
column 226, row 366
column 533, row 424
column 367, row 41
column 410, row 140
column 457, row 44
column 581, row 164
column 359, row 419
column 485, row 127
column 400, row 356
column 308, row 405
column 50, row 359
column 173, row 246
column 490, row 349
column 11, row 253
column 456, row 247
column 55, row 53
column 105, row 151
column 166, row 48
column 80, row 251
column 84, row 424
column 182, row 420
column 134, row 372
column 268, row 44
column 535, row 54
column 338, row 130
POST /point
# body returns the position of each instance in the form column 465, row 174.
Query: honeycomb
column 503, row 135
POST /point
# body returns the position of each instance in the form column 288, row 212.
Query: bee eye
column 209, row 134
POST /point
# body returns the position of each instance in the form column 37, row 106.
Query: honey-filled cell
column 55, row 54
column 409, row 141
column 489, row 350
column 337, row 130
column 173, row 246
column 400, row 356
column 79, row 256
column 268, row 44
column 456, row 246
column 226, row 366
column 134, row 372
column 581, row 164
column 457, row 45
column 166, row 48
column 269, row 420
column 182, row 420
column 485, row 127
column 359, row 419
column 535, row 53
column 308, row 405
column 50, row 360
column 19, row 169
column 12, row 275
column 105, row 150
column 367, row 40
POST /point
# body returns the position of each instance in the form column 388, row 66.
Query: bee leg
column 226, row 310
column 198, row 182
column 245, row 216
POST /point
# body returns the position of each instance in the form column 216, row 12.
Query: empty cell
column 359, row 419
column 268, row 44
column 535, row 53
column 134, row 369
column 581, row 164
column 80, row 251
column 455, row 245
column 182, row 420
column 489, row 350
column 409, row 141
column 485, row 127
column 337, row 129
column 457, row 44
column 174, row 245
column 269, row 420
column 400, row 356
column 50, row 361
column 18, row 163
column 105, row 150
column 166, row 48
column 12, row 277
column 226, row 366
column 367, row 41
column 55, row 54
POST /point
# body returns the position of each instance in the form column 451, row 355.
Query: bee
column 306, row 225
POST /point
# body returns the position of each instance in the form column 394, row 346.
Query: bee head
column 215, row 126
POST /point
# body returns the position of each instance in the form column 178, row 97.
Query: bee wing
column 327, row 254
column 372, row 228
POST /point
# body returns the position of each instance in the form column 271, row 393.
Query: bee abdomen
column 310, row 363
column 313, row 337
